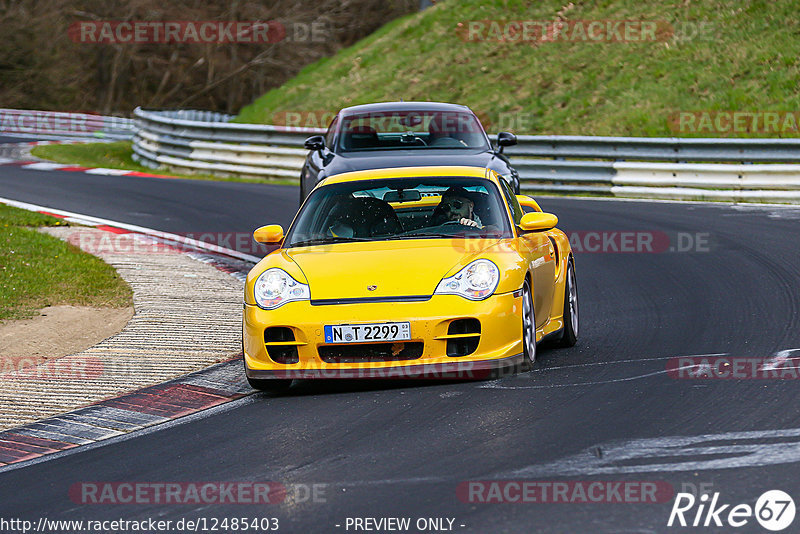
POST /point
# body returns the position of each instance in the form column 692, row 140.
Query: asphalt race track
column 605, row 410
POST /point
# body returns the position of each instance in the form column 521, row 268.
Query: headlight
column 275, row 287
column 476, row 281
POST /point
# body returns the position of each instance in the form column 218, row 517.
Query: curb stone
column 168, row 337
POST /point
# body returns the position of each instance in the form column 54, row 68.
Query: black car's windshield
column 401, row 130
column 401, row 208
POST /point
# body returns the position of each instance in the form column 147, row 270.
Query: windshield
column 401, row 208
column 400, row 130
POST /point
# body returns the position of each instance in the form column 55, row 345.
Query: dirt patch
column 56, row 332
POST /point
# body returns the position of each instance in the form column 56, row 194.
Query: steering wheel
column 414, row 139
column 462, row 225
column 448, row 142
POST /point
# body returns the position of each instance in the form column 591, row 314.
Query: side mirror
column 315, row 142
column 527, row 202
column 505, row 139
column 271, row 234
column 537, row 222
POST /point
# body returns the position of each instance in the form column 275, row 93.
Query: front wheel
column 528, row 326
column 569, row 335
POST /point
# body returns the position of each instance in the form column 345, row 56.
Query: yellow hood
column 396, row 268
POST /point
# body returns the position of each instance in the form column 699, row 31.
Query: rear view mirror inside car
column 402, row 195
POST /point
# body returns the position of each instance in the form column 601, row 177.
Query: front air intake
column 371, row 352
column 274, row 337
column 470, row 329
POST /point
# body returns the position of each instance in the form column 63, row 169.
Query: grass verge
column 712, row 55
column 38, row 270
column 118, row 155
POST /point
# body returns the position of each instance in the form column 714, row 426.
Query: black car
column 404, row 134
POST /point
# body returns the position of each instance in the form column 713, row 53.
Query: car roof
column 411, row 172
column 404, row 106
column 385, row 159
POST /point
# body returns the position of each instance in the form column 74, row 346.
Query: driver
column 456, row 206
column 340, row 221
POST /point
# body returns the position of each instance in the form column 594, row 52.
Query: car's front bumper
column 499, row 342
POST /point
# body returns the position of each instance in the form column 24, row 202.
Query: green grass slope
column 744, row 57
column 38, row 270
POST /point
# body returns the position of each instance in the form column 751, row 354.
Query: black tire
column 528, row 327
column 569, row 334
column 271, row 384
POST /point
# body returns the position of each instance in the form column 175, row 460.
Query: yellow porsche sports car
column 408, row 272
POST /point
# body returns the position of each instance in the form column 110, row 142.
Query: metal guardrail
column 207, row 142
column 675, row 149
column 662, row 167
column 56, row 125
column 668, row 168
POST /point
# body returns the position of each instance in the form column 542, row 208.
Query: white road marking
column 108, row 172
column 677, row 453
column 44, row 166
column 498, row 384
column 780, row 358
column 88, row 219
column 614, row 362
column 780, row 211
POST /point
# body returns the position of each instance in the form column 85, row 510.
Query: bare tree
column 45, row 66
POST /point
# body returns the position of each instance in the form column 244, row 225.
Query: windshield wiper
column 327, row 241
column 423, row 234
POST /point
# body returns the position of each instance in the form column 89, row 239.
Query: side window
column 511, row 198
column 330, row 133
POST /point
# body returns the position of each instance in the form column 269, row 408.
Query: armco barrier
column 738, row 170
column 56, row 125
column 674, row 149
column 206, row 142
column 743, row 170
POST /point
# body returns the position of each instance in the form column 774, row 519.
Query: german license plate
column 365, row 333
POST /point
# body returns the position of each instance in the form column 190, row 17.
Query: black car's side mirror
column 505, row 139
column 315, row 142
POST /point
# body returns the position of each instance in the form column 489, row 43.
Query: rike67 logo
column 774, row 510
